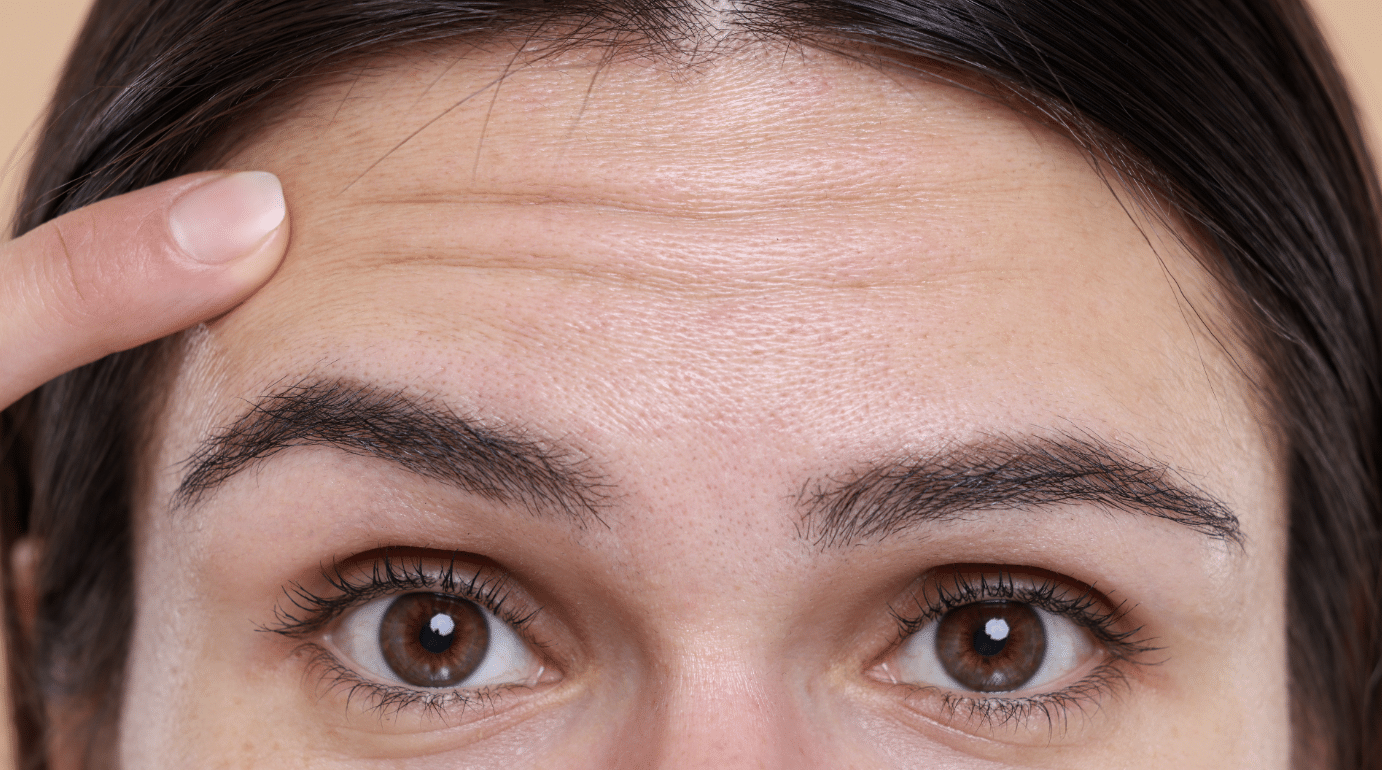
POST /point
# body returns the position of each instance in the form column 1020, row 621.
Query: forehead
column 797, row 254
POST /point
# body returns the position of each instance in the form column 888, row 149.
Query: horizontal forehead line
column 659, row 207
column 878, row 500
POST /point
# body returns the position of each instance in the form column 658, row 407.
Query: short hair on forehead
column 1234, row 107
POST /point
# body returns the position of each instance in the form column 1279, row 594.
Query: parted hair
column 1231, row 112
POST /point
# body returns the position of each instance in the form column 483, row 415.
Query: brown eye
column 991, row 646
column 433, row 640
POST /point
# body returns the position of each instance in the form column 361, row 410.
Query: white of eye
column 1069, row 647
column 508, row 660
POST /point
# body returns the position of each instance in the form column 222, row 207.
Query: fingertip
column 229, row 219
column 255, row 266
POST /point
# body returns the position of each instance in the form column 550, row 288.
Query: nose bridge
column 723, row 682
column 728, row 708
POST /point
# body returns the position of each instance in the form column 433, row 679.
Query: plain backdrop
column 35, row 36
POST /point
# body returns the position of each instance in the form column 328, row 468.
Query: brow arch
column 882, row 499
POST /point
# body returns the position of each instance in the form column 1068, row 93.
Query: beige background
column 35, row 35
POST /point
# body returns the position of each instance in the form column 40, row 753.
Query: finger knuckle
column 76, row 284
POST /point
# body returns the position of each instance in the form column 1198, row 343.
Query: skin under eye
column 994, row 647
column 435, row 641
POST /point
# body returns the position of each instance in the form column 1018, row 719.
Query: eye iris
column 991, row 646
column 433, row 640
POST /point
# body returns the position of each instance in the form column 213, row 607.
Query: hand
column 123, row 272
column 133, row 268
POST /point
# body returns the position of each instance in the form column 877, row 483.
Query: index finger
column 130, row 269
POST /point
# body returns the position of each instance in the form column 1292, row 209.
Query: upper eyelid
column 1127, row 643
column 308, row 612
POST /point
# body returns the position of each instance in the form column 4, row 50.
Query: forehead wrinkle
column 676, row 255
column 735, row 154
column 775, row 176
column 777, row 286
column 715, row 209
column 647, row 198
column 958, row 272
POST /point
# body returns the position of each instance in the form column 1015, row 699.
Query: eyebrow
column 419, row 435
column 873, row 503
column 1005, row 473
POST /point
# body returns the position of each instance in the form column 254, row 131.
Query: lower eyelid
column 1049, row 714
column 332, row 679
column 392, row 708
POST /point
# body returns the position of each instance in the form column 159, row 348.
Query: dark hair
column 1231, row 110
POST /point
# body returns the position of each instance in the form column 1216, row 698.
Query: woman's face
column 775, row 411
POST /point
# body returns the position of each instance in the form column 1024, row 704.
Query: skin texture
column 712, row 291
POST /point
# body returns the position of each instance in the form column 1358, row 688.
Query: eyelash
column 1084, row 609
column 309, row 613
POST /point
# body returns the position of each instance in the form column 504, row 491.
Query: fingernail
column 225, row 219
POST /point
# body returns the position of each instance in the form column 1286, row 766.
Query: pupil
column 436, row 637
column 991, row 638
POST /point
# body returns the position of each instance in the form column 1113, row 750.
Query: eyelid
column 940, row 590
column 507, row 645
column 314, row 615
column 945, row 588
column 308, row 611
column 1068, row 649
